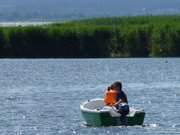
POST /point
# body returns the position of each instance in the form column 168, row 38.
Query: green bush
column 138, row 36
column 3, row 42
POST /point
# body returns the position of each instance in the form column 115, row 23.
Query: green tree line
column 139, row 36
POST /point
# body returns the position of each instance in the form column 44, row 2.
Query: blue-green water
column 42, row 97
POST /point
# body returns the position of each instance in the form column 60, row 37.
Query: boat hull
column 104, row 118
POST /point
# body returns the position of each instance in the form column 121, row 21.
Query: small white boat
column 96, row 114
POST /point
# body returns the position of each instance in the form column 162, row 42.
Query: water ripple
column 39, row 97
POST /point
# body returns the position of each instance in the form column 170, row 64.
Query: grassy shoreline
column 116, row 37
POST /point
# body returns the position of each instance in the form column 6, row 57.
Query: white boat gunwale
column 101, row 110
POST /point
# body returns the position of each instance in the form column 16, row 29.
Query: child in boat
column 115, row 96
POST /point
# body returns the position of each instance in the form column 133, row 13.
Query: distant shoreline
column 116, row 37
column 23, row 23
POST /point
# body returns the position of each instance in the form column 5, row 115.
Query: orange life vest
column 110, row 97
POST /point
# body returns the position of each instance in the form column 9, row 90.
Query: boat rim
column 90, row 110
column 99, row 110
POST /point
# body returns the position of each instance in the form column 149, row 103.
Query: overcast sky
column 89, row 7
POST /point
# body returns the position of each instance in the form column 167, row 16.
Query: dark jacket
column 121, row 95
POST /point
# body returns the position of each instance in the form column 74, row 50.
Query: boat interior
column 95, row 104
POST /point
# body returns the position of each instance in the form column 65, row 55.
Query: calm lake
column 42, row 97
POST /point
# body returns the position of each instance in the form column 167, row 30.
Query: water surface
column 42, row 97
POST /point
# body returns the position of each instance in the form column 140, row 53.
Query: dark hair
column 117, row 84
column 109, row 88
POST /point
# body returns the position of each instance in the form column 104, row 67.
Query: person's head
column 117, row 86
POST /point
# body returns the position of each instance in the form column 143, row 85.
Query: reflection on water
column 43, row 96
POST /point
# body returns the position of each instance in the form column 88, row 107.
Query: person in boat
column 115, row 96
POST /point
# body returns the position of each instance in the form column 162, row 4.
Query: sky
column 70, row 8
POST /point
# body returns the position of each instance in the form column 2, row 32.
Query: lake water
column 42, row 97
